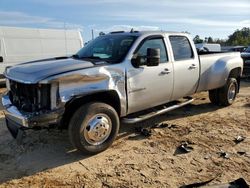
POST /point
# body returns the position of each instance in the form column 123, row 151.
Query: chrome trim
column 31, row 119
column 152, row 114
column 11, row 112
column 98, row 129
column 231, row 92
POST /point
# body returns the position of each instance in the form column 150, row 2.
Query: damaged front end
column 31, row 105
column 40, row 94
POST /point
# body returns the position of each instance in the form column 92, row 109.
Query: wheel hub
column 231, row 92
column 98, row 129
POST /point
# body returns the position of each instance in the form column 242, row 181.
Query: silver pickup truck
column 121, row 76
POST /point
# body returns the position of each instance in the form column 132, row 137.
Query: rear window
column 181, row 48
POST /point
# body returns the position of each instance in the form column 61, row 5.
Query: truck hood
column 36, row 71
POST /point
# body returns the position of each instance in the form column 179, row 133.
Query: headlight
column 8, row 84
column 54, row 92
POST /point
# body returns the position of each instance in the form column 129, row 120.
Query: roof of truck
column 139, row 33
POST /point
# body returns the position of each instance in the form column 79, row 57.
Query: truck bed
column 213, row 68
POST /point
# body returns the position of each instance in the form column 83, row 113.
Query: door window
column 181, row 48
column 154, row 43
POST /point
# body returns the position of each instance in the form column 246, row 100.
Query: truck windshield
column 109, row 48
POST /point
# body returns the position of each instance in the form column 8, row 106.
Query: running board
column 155, row 113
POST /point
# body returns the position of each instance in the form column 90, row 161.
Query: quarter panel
column 216, row 68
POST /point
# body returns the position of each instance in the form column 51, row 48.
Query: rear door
column 186, row 67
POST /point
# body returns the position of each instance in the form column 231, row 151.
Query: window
column 181, row 48
column 154, row 43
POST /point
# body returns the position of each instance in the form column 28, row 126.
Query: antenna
column 132, row 30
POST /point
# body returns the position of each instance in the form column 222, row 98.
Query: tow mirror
column 153, row 57
column 137, row 60
column 1, row 59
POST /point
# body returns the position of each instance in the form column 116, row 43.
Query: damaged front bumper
column 17, row 120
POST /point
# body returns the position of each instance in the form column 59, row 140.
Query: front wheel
column 94, row 127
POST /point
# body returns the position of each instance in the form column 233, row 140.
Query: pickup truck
column 246, row 58
column 118, row 77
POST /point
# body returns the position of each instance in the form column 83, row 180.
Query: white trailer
column 18, row 45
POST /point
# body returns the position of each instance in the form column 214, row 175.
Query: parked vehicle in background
column 233, row 48
column 128, row 76
column 19, row 45
column 246, row 57
column 238, row 49
column 208, row 47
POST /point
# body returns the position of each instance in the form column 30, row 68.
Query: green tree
column 239, row 37
column 210, row 40
column 197, row 39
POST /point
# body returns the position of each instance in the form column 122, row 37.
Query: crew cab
column 118, row 77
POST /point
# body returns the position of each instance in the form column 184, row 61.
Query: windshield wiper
column 76, row 56
column 91, row 57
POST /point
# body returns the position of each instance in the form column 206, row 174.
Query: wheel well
column 108, row 97
column 236, row 73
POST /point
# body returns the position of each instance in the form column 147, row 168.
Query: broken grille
column 30, row 97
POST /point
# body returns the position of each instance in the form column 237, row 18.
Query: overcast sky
column 216, row 18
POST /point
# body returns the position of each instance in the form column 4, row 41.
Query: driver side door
column 150, row 86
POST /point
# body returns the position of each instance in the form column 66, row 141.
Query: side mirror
column 153, row 57
column 137, row 60
column 1, row 59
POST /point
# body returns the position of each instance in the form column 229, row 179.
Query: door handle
column 193, row 66
column 166, row 71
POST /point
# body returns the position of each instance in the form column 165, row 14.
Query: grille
column 30, row 97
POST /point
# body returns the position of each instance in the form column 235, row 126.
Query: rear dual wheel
column 226, row 95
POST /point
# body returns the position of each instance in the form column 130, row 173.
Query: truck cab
column 143, row 81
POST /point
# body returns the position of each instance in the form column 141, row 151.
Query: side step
column 155, row 113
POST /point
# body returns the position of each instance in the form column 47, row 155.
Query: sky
column 215, row 18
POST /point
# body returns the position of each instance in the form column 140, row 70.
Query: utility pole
column 65, row 38
column 92, row 34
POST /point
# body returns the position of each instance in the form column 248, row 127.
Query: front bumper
column 16, row 119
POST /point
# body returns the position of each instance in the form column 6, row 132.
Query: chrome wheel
column 231, row 92
column 98, row 129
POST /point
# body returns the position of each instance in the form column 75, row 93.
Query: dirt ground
column 47, row 159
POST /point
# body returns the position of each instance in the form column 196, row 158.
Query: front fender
column 90, row 81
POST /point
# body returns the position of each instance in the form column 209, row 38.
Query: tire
column 213, row 96
column 227, row 94
column 93, row 127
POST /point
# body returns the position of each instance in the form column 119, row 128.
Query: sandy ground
column 46, row 158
